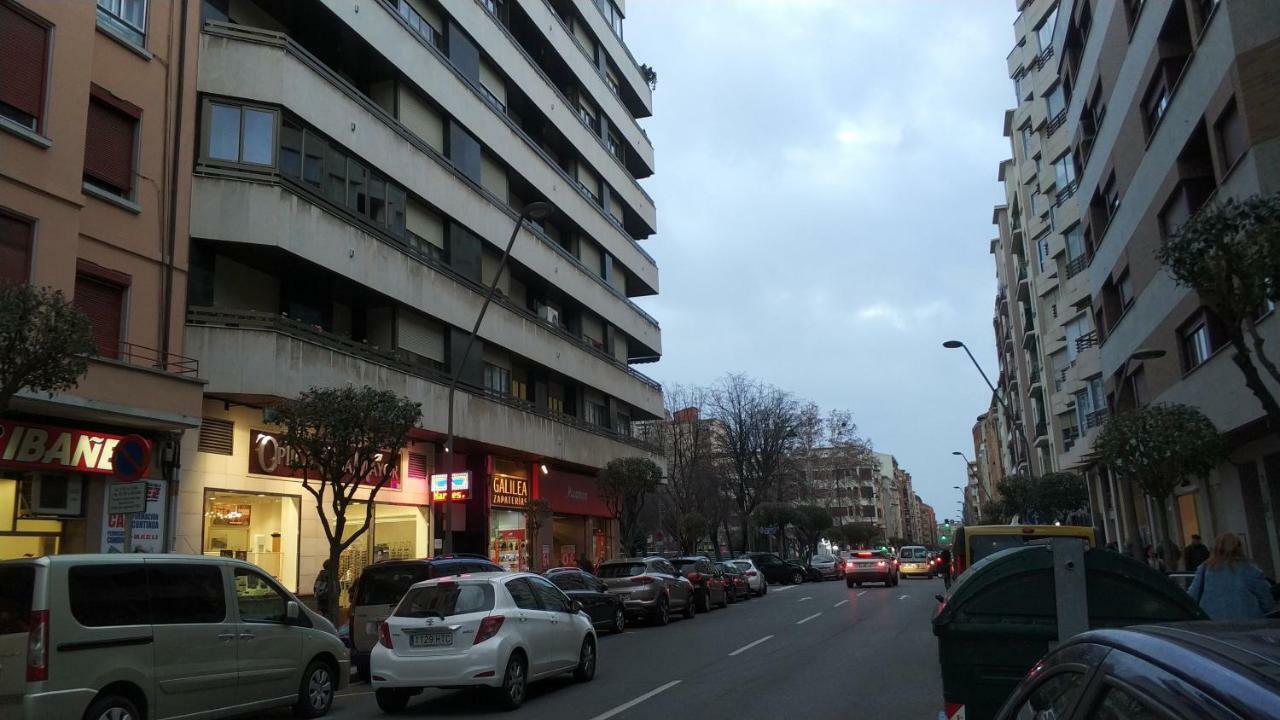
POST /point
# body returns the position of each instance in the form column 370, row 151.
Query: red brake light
column 38, row 647
column 694, row 577
column 881, row 564
column 751, row 573
column 384, row 636
column 642, row 580
column 488, row 628
column 864, row 554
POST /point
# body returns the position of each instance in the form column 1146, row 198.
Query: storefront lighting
column 544, row 469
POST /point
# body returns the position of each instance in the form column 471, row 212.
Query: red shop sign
column 572, row 494
column 42, row 447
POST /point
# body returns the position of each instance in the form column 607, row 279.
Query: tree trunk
column 746, row 538
column 335, row 584
column 1253, row 379
column 1164, row 546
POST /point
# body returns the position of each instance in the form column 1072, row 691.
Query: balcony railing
column 1055, row 122
column 1042, row 429
column 394, row 358
column 1077, row 265
column 142, row 356
column 1070, row 434
column 1067, row 192
column 1044, row 58
column 1035, row 375
column 1087, row 340
column 1096, row 418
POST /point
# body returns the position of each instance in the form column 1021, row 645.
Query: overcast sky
column 826, row 173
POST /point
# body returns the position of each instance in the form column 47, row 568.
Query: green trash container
column 1001, row 617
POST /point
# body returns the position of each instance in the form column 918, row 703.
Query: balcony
column 1066, row 193
column 1086, row 341
column 1041, row 432
column 256, row 356
column 1043, row 58
column 1054, row 123
column 1078, row 265
column 1035, row 377
column 1024, row 283
column 1096, row 418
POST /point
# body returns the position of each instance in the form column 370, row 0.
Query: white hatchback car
column 497, row 630
column 755, row 579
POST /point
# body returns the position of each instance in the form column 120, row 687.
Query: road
column 811, row 651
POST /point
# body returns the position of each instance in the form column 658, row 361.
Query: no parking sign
column 131, row 458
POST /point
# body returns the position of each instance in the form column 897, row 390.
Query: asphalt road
column 811, row 652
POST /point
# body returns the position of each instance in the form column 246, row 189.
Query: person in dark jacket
column 1195, row 553
column 321, row 588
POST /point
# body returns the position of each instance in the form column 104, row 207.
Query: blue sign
column 131, row 458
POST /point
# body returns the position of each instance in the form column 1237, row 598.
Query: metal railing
column 390, row 357
column 1078, row 265
column 1042, row 429
column 1096, row 418
column 1070, row 434
column 1067, row 192
column 1055, row 122
column 1087, row 340
column 143, row 356
column 1043, row 58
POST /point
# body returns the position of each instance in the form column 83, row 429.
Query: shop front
column 54, row 487
column 582, row 527
column 509, row 493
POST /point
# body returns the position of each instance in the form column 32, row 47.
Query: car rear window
column 386, row 585
column 743, row 565
column 682, row 565
column 913, row 553
column 107, row 595
column 823, row 558
column 17, row 586
column 619, row 570
column 446, row 600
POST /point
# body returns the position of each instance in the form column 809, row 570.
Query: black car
column 605, row 608
column 1201, row 670
column 777, row 570
column 708, row 583
column 735, row 581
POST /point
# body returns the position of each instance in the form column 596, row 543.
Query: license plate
column 864, row 566
column 418, row 640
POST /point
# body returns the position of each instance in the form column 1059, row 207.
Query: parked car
column 603, row 607
column 113, row 636
column 735, row 581
column 1179, row 671
column 871, row 566
column 777, row 570
column 708, row 583
column 755, row 579
column 649, row 587
column 826, row 566
column 382, row 584
column 914, row 562
column 496, row 630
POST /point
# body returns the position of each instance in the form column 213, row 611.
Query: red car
column 708, row 583
column 735, row 581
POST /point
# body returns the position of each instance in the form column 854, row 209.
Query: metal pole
column 1022, row 427
column 450, row 465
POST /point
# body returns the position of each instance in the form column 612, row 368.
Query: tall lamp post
column 970, row 509
column 1022, row 429
column 532, row 211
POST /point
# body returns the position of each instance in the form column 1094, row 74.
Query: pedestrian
column 945, row 555
column 1228, row 586
column 1195, row 554
column 1153, row 558
column 321, row 588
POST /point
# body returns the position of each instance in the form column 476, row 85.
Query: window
column 109, row 594
column 1064, row 172
column 1231, row 135
column 555, row 404
column 588, row 115
column 552, row 600
column 186, row 594
column 126, row 16
column 1017, row 85
column 1036, row 203
column 24, row 52
column 596, row 414
column 567, row 581
column 497, row 379
column 1124, row 290
column 419, row 25
column 1025, row 132
column 258, row 599
column 611, row 15
column 615, row 145
column 1199, row 338
column 1044, row 32
column 15, row 247
column 1116, row 704
column 522, row 594
column 1111, row 194
column 109, row 144
column 446, row 600
column 17, row 590
column 241, row 134
column 1056, row 101
column 1155, row 102
column 100, row 295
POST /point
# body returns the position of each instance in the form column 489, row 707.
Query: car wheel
column 730, row 596
column 392, row 700
column 848, row 583
column 764, row 588
column 514, row 683
column 662, row 615
column 619, row 620
column 113, row 707
column 724, row 599
column 586, row 661
column 690, row 607
column 315, row 696
column 797, row 577
column 704, row 601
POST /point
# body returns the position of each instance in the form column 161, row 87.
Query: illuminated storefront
column 582, row 528
column 509, row 494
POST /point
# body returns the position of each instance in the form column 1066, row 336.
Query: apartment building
column 989, row 462
column 1131, row 116
column 96, row 116
column 359, row 168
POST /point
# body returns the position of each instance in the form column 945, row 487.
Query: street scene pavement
column 817, row 650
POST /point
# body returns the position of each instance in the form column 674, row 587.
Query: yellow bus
column 972, row 543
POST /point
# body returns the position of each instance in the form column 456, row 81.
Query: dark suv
column 380, row 587
column 777, row 570
column 708, row 583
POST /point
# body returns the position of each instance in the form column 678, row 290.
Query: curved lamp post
column 532, row 211
column 1022, row 432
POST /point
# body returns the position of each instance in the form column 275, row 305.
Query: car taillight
column 751, row 573
column 38, row 647
column 384, row 636
column 642, row 580
column 694, row 577
column 881, row 563
column 488, row 628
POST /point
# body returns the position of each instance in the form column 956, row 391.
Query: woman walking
column 1228, row 586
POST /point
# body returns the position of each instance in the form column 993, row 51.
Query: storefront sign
column 568, row 555
column 146, row 529
column 43, row 447
column 461, row 489
column 126, row 497
column 268, row 455
column 508, row 491
column 572, row 494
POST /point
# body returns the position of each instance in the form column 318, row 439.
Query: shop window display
column 258, row 528
column 508, row 540
column 398, row 532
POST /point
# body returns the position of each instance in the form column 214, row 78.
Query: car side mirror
column 292, row 611
column 575, row 607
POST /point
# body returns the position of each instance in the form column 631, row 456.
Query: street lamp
column 1022, row 430
column 533, row 211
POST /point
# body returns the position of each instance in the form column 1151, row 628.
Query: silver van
column 145, row 637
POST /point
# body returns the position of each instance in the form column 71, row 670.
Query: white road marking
column 749, row 645
column 785, row 588
column 840, row 603
column 801, row 622
column 903, row 597
column 864, row 592
column 628, row 705
column 804, row 598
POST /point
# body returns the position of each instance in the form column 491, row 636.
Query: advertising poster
column 148, row 528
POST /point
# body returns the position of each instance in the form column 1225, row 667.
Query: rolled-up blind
column 23, row 50
column 108, row 145
column 102, row 302
column 15, row 249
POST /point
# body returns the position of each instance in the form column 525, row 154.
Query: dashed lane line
column 632, row 703
column 840, row 603
column 749, row 645
column 864, row 592
column 804, row 598
column 801, row 622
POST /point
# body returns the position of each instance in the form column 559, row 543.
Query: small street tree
column 811, row 523
column 1160, row 447
column 1229, row 253
column 1016, row 493
column 778, row 516
column 856, row 535
column 45, row 341
column 1059, row 495
column 345, row 440
column 692, row 527
column 625, row 485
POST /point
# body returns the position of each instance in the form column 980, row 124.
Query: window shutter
column 417, row 466
column 108, row 147
column 102, row 302
column 15, row 249
column 23, row 50
column 216, row 436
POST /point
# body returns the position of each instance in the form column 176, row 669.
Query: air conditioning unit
column 550, row 314
column 55, row 495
